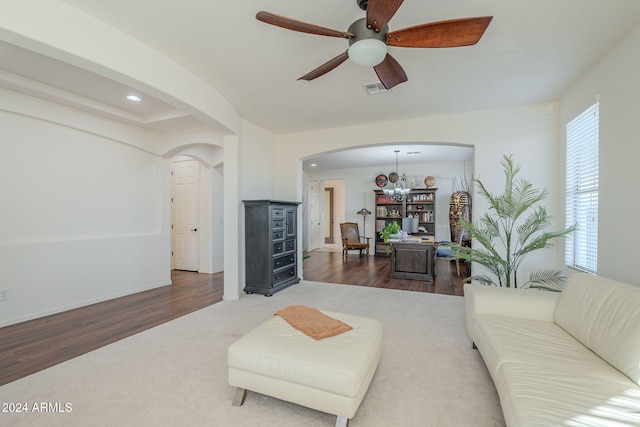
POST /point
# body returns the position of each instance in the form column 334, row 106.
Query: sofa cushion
column 544, row 375
column 604, row 315
column 539, row 395
column 504, row 339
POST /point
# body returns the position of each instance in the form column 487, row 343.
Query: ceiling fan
column 369, row 37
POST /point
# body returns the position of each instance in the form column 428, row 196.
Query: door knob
column 194, row 229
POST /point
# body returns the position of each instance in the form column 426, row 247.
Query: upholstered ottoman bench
column 330, row 375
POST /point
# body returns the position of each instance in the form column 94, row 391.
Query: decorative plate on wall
column 429, row 181
column 393, row 177
column 381, row 180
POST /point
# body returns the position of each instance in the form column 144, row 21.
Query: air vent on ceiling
column 375, row 88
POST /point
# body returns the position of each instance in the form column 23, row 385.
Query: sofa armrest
column 523, row 303
column 531, row 304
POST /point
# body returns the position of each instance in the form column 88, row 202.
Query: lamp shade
column 368, row 52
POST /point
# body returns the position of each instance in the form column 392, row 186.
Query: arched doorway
column 197, row 206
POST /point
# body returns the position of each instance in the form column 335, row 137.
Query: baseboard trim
column 58, row 310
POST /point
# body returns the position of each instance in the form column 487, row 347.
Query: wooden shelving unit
column 420, row 203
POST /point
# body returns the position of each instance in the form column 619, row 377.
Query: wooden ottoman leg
column 342, row 421
column 238, row 399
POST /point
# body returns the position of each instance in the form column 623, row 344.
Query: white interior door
column 185, row 208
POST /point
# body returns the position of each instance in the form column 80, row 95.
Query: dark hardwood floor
column 374, row 272
column 29, row 347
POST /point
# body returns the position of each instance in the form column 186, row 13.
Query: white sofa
column 561, row 359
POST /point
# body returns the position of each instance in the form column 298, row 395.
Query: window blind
column 581, row 250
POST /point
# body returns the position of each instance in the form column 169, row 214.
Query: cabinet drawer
column 290, row 246
column 282, row 275
column 278, row 248
column 277, row 224
column 283, row 261
column 277, row 235
column 277, row 213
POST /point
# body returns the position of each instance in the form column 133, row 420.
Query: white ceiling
column 386, row 156
column 531, row 53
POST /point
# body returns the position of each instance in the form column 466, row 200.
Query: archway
column 447, row 162
column 210, row 206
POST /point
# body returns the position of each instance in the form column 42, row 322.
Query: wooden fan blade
column 390, row 72
column 380, row 12
column 326, row 67
column 303, row 27
column 453, row 33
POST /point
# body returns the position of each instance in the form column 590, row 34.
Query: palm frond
column 525, row 197
column 483, row 280
column 512, row 227
column 537, row 220
column 544, row 240
column 548, row 279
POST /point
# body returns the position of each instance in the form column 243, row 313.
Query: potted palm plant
column 513, row 227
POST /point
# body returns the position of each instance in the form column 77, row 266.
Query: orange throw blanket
column 312, row 322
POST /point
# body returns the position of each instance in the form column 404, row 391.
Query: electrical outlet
column 4, row 294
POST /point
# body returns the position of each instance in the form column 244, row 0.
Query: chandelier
column 399, row 190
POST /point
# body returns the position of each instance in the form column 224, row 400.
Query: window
column 581, row 249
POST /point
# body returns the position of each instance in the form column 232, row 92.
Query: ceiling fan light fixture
column 367, row 52
column 369, row 36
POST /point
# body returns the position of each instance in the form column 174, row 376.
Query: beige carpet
column 176, row 375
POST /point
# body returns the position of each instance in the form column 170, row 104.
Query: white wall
column 258, row 163
column 54, row 30
column 217, row 219
column 615, row 79
column 85, row 212
column 257, row 166
column 528, row 132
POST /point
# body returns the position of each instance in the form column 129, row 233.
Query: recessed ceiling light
column 313, row 165
column 134, row 98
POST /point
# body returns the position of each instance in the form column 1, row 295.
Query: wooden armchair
column 351, row 239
